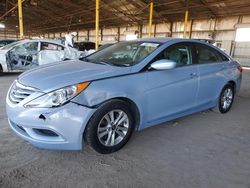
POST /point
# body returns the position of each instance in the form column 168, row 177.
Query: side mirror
column 163, row 64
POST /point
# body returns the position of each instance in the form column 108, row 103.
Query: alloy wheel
column 226, row 98
column 113, row 127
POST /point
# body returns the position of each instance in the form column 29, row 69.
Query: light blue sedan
column 128, row 86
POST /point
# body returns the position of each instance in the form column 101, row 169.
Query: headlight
column 58, row 97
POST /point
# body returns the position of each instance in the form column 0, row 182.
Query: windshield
column 123, row 53
column 8, row 46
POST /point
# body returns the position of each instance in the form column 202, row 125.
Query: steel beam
column 185, row 24
column 151, row 6
column 97, row 24
column 20, row 16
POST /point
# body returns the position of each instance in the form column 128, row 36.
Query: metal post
column 88, row 35
column 118, row 34
column 96, row 24
column 191, row 28
column 155, row 31
column 20, row 14
column 185, row 24
column 101, row 34
column 171, row 29
column 150, row 18
column 140, row 31
column 77, row 35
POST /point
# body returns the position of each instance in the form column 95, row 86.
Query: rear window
column 207, row 54
column 50, row 46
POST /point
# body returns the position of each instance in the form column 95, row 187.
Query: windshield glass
column 123, row 53
column 8, row 46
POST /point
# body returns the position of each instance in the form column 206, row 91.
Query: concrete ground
column 204, row 150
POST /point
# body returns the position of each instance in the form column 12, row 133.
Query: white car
column 27, row 54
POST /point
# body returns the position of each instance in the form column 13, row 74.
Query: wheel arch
column 134, row 109
column 132, row 106
column 233, row 83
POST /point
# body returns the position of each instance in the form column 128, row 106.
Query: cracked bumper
column 66, row 122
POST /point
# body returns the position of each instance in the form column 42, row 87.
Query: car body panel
column 211, row 79
column 171, row 84
column 75, row 71
column 159, row 95
column 71, row 118
column 3, row 63
column 127, row 86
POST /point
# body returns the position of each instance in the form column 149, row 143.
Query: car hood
column 57, row 75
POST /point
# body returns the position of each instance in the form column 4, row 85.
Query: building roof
column 63, row 15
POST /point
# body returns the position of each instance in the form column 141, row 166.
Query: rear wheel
column 226, row 99
column 110, row 127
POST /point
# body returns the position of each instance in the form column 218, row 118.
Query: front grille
column 19, row 92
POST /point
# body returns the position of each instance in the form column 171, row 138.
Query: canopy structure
column 53, row 15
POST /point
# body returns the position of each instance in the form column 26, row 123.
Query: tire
column 225, row 100
column 107, row 133
column 1, row 69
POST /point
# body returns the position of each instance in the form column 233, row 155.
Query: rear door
column 50, row 52
column 172, row 92
column 211, row 65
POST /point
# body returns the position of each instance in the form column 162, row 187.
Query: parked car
column 27, row 54
column 103, row 46
column 86, row 45
column 4, row 42
column 104, row 97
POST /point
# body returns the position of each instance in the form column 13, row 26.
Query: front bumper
column 50, row 128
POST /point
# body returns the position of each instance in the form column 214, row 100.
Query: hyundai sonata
column 129, row 86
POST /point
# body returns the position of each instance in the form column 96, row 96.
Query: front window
column 178, row 53
column 29, row 47
column 123, row 53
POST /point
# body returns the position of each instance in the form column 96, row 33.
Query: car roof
column 162, row 40
column 157, row 40
column 167, row 39
column 84, row 42
column 42, row 40
column 7, row 40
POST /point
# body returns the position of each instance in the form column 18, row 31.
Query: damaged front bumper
column 58, row 128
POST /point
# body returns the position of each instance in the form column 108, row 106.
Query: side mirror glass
column 163, row 64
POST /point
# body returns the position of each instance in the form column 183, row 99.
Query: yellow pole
column 20, row 14
column 185, row 24
column 96, row 24
column 150, row 18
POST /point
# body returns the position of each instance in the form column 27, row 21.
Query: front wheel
column 226, row 99
column 1, row 70
column 110, row 127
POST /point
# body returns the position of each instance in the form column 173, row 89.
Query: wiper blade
column 84, row 59
column 105, row 63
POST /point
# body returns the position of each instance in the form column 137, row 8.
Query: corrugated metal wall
column 241, row 53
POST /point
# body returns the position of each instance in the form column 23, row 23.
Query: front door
column 172, row 92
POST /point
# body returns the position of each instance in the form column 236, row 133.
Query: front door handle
column 192, row 75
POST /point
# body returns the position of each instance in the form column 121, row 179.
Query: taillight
column 240, row 68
